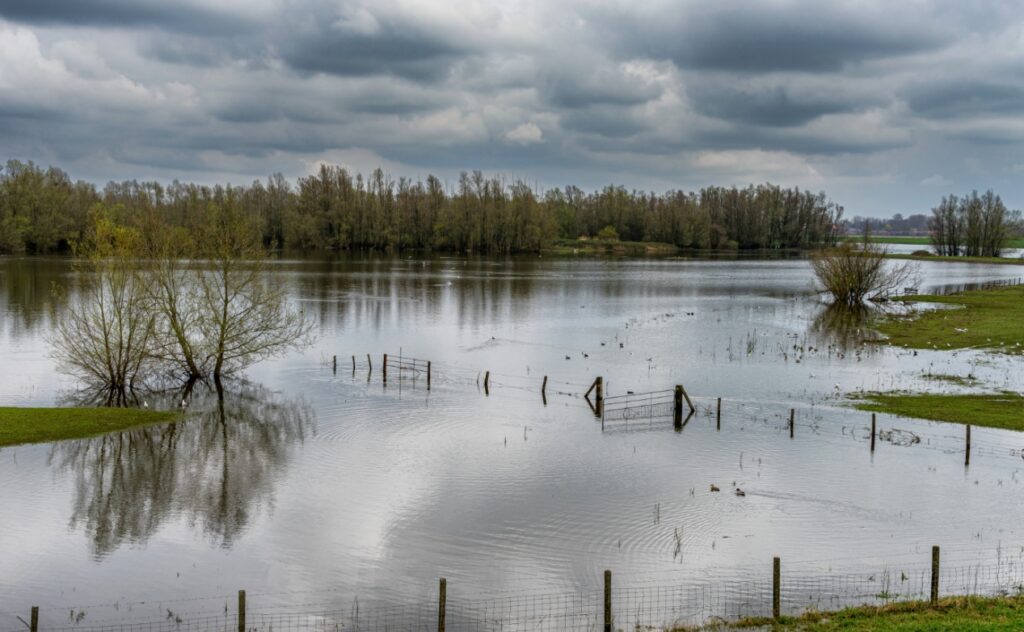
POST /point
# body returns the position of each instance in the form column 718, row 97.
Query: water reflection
column 215, row 468
column 844, row 327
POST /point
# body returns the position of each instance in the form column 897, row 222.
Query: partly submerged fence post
column 935, row 576
column 353, row 364
column 34, row 620
column 428, row 375
column 487, row 383
column 677, row 405
column 718, row 423
column 544, row 388
column 792, row 416
column 241, row 611
column 442, row 597
column 385, row 369
column 776, row 588
column 872, row 432
column 369, row 363
column 335, row 364
column 967, row 449
column 607, row 601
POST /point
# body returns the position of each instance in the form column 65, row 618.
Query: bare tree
column 228, row 312
column 853, row 274
column 107, row 339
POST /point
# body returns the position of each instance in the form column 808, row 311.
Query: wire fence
column 652, row 605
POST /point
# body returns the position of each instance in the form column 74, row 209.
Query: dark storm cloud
column 961, row 97
column 173, row 16
column 754, row 37
column 771, row 106
column 384, row 46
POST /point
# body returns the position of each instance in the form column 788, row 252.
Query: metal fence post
column 935, row 576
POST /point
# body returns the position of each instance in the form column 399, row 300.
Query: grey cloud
column 772, row 106
column 760, row 37
column 172, row 16
column 393, row 48
column 958, row 97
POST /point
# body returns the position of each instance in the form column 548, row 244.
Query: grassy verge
column 995, row 410
column 992, row 614
column 42, row 425
column 998, row 260
column 988, row 319
column 916, row 241
column 610, row 247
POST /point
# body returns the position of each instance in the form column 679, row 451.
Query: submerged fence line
column 771, row 590
column 618, row 412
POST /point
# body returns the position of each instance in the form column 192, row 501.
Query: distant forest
column 43, row 210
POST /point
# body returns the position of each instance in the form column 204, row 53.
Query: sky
column 885, row 106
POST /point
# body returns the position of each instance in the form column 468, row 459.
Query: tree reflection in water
column 845, row 327
column 215, row 467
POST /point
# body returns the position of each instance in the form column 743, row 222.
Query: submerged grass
column 995, row 410
column 971, row 614
column 42, row 425
column 986, row 319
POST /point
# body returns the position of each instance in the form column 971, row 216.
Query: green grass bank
column 962, row 614
column 981, row 319
column 43, row 425
column 995, row 410
column 915, row 240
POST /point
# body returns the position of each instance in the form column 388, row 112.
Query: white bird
column 145, row 404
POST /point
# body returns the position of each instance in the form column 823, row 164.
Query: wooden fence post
column 935, row 576
column 385, row 369
column 776, row 588
column 369, row 363
column 718, row 423
column 353, row 364
column 607, row 601
column 428, row 375
column 792, row 415
column 872, row 432
column 442, row 597
column 487, row 383
column 677, row 405
column 34, row 620
column 241, row 611
column 599, row 382
column 335, row 364
column 686, row 398
column 967, row 450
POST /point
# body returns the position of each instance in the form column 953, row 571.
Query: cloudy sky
column 886, row 106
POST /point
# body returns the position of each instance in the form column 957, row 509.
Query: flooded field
column 308, row 484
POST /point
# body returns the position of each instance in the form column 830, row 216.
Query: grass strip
column 43, row 425
column 963, row 614
column 995, row 410
column 987, row 319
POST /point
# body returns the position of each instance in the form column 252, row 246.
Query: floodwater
column 306, row 485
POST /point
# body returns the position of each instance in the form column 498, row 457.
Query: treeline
column 43, row 210
column 898, row 224
column 972, row 226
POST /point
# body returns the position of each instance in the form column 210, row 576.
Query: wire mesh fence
column 667, row 604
